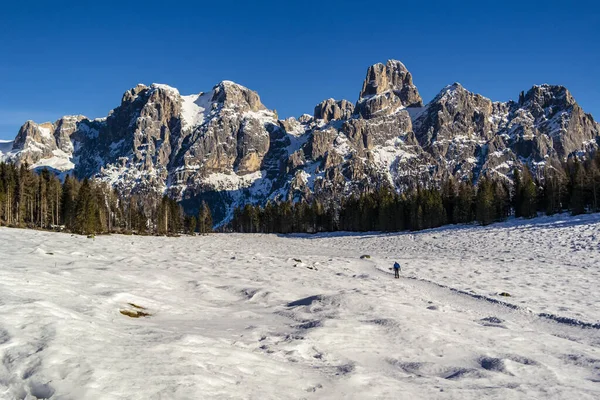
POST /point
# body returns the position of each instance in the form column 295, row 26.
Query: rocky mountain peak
column 455, row 87
column 386, row 88
column 31, row 132
column 544, row 96
column 457, row 95
column 132, row 94
column 449, row 92
column 547, row 121
column 392, row 76
column 305, row 119
column 457, row 114
column 232, row 95
column 331, row 109
column 162, row 86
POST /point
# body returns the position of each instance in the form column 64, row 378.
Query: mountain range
column 224, row 146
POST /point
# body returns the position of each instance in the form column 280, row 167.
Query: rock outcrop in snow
column 226, row 147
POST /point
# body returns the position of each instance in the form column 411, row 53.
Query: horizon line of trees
column 574, row 188
column 40, row 200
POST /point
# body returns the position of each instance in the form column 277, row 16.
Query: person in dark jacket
column 396, row 270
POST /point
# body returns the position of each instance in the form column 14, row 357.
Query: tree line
column 573, row 187
column 40, row 200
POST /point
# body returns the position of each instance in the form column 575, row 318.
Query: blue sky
column 59, row 58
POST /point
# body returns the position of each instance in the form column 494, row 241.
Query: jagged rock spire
column 387, row 88
column 330, row 109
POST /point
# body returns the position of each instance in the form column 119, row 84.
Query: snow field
column 270, row 317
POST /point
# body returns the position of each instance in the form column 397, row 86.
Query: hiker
column 396, row 270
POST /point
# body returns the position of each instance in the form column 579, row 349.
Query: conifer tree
column 501, row 197
column 386, row 210
column 269, row 217
column 578, row 185
column 69, row 194
column 465, row 203
column 86, row 211
column 208, row 221
column 450, row 200
column 192, row 225
column 552, row 191
column 205, row 219
column 484, row 203
column 593, row 179
column 528, row 195
column 518, row 190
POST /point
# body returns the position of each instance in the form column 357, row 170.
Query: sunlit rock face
column 224, row 146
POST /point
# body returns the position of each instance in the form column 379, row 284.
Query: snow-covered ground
column 236, row 316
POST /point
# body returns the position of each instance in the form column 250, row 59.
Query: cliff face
column 227, row 147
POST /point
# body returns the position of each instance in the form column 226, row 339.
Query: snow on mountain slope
column 258, row 316
column 5, row 146
column 386, row 157
column 60, row 161
column 194, row 109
